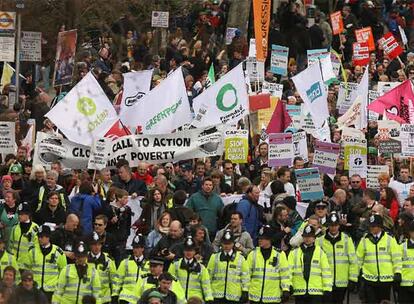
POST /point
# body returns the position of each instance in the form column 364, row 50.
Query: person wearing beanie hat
column 163, row 290
column 311, row 273
column 269, row 271
column 104, row 265
column 405, row 290
column 131, row 269
column 16, row 172
column 379, row 257
column 46, row 261
column 23, row 235
column 192, row 275
column 155, row 297
column 340, row 251
column 77, row 280
column 229, row 266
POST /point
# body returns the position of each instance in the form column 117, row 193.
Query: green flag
column 211, row 78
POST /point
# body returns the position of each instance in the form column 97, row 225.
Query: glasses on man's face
column 99, row 225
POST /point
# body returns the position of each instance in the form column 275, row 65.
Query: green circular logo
column 220, row 96
column 86, row 106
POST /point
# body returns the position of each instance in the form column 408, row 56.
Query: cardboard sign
column 365, row 35
column 236, row 146
column 309, row 184
column 389, row 136
column 326, row 157
column 372, row 175
column 279, row 60
column 337, row 23
column 360, row 53
column 390, row 46
column 280, row 149
column 160, row 19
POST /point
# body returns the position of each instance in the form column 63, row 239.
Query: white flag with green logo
column 311, row 88
column 84, row 113
column 163, row 109
column 225, row 102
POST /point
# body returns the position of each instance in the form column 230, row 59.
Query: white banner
column 136, row 86
column 163, row 109
column 50, row 148
column 161, row 148
column 311, row 88
column 7, row 138
column 85, row 113
column 225, row 102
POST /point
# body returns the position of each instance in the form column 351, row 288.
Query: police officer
column 311, row 273
column 340, row 250
column 151, row 280
column 406, row 290
column 269, row 271
column 192, row 275
column 379, row 257
column 104, row 265
column 229, row 273
column 46, row 261
column 78, row 280
column 130, row 271
column 7, row 259
column 23, row 235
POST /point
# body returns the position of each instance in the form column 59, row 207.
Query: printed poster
column 309, row 184
column 65, row 58
column 236, row 146
column 280, row 149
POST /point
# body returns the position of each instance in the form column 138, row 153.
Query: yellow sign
column 236, row 146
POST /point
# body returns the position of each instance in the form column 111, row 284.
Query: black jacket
column 133, row 186
column 46, row 215
column 23, row 296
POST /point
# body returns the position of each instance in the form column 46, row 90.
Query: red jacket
column 147, row 178
column 393, row 209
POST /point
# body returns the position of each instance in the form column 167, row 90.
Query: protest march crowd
column 217, row 168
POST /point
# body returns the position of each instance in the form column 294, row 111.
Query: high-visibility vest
column 379, row 262
column 71, row 289
column 42, row 194
column 228, row 278
column 46, row 268
column 407, row 273
column 9, row 260
column 19, row 243
column 126, row 279
column 320, row 279
column 194, row 284
column 143, row 285
column 342, row 259
column 268, row 278
column 107, row 274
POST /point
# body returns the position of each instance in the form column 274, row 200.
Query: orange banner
column 261, row 14
column 365, row 35
column 337, row 23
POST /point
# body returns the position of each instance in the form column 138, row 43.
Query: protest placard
column 326, row 156
column 390, row 45
column 337, row 23
column 407, row 139
column 358, row 165
column 309, row 184
column 279, row 59
column 372, row 95
column 294, row 112
column 280, row 149
column 389, row 136
column 360, row 53
column 372, row 175
column 275, row 89
column 31, row 46
column 97, row 159
column 385, row 86
column 300, row 145
column 353, row 142
column 7, row 137
column 236, row 146
column 135, row 205
column 365, row 35
column 346, row 96
column 315, row 55
column 255, row 69
column 306, row 121
column 7, row 36
column 159, row 19
column 65, row 58
column 230, row 34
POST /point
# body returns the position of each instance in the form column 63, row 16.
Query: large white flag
column 225, row 102
column 163, row 109
column 84, row 113
column 311, row 88
column 136, row 86
column 357, row 115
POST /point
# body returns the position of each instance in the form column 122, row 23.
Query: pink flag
column 395, row 103
column 280, row 119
